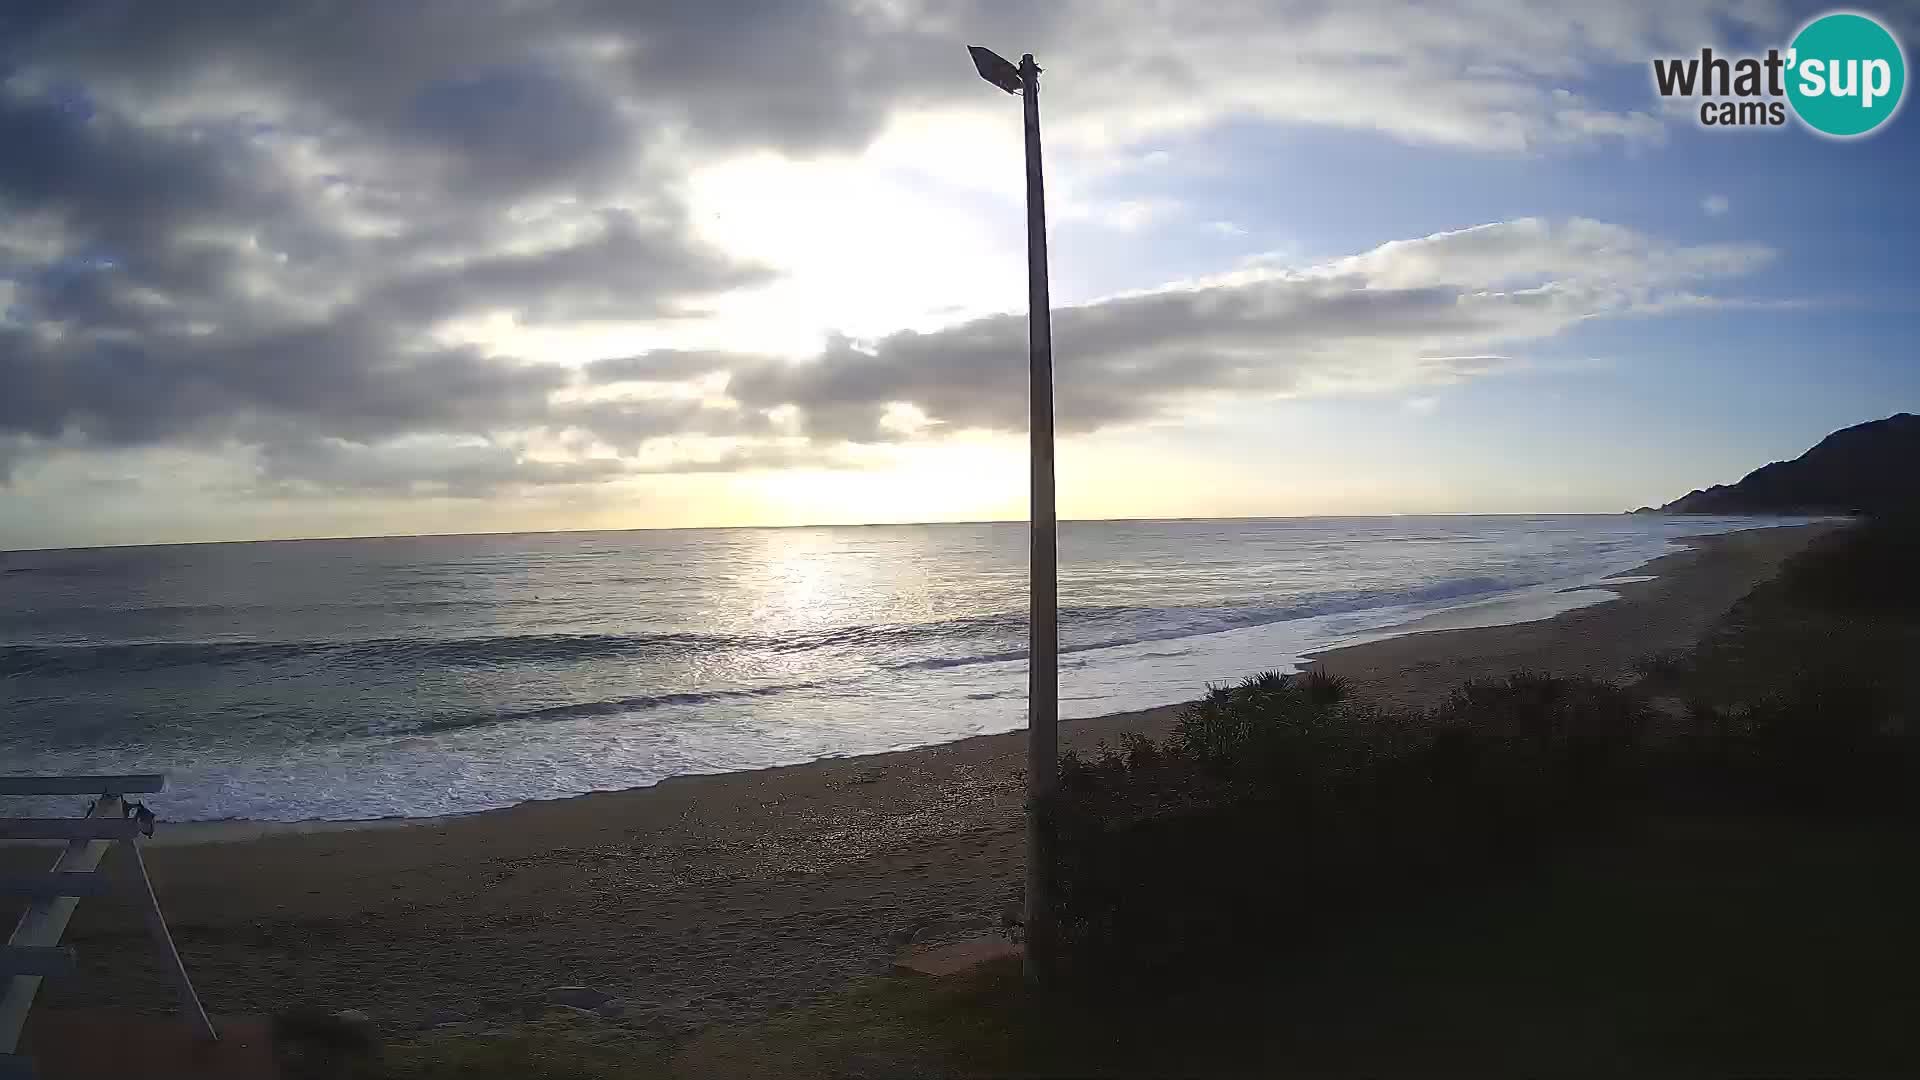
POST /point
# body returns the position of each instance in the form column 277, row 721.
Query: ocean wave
column 444, row 652
column 1139, row 626
column 584, row 710
column 947, row 643
column 107, row 613
column 141, row 656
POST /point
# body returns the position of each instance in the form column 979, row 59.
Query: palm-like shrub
column 1268, row 729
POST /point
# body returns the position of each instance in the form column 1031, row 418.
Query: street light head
column 996, row 69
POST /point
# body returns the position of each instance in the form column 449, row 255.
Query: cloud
column 450, row 66
column 170, row 283
column 1527, row 249
column 1715, row 205
column 664, row 365
column 347, row 378
column 299, row 232
column 629, row 424
column 415, row 467
column 477, row 79
column 1499, row 76
column 476, row 469
column 618, row 267
column 1406, row 314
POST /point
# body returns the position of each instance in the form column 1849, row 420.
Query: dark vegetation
column 1871, row 468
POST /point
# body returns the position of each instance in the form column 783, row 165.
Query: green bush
column 1279, row 805
column 1265, row 713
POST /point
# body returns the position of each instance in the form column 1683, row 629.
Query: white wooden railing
column 34, row 951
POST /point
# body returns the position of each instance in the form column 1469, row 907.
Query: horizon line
column 815, row 525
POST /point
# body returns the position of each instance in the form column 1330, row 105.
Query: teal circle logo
column 1845, row 74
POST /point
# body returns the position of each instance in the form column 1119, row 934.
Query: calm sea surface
column 419, row 676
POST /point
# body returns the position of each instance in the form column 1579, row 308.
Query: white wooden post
column 46, row 919
column 34, row 952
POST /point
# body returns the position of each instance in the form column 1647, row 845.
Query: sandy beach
column 719, row 897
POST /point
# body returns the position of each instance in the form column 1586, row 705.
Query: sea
column 421, row 676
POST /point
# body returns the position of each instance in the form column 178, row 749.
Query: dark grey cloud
column 324, row 467
column 627, row 269
column 802, row 77
column 344, row 377
column 113, row 177
column 1123, row 360
column 196, row 281
column 142, row 198
column 513, row 130
column 627, row 424
column 331, row 466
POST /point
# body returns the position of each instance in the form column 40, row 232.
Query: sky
column 326, row 269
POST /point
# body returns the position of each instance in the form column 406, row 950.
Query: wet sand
column 719, row 897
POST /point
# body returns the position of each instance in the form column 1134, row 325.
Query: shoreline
column 1666, row 603
column 730, row 895
column 1530, row 611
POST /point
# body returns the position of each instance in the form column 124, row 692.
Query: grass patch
column 555, row 1047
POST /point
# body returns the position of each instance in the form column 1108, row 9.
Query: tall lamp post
column 1043, row 650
